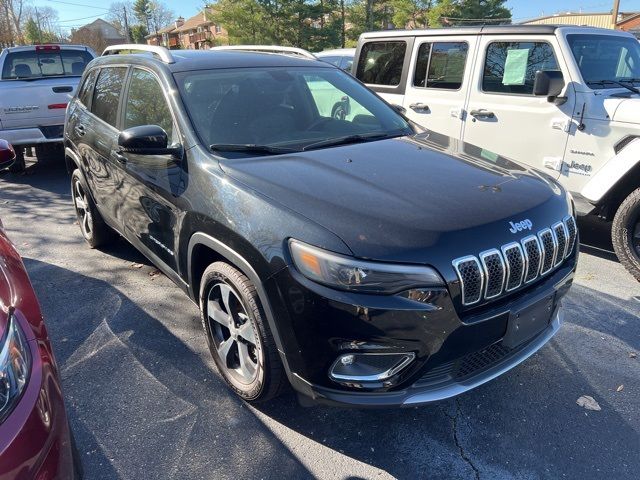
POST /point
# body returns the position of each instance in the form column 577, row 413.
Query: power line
column 75, row 19
column 78, row 4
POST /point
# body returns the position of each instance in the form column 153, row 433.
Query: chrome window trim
column 483, row 256
column 554, row 240
column 524, row 242
column 505, row 249
column 456, row 264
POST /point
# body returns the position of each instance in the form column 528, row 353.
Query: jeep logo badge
column 519, row 226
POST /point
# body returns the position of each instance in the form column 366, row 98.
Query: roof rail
column 295, row 51
column 163, row 53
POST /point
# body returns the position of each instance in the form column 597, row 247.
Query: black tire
column 243, row 301
column 625, row 233
column 19, row 165
column 92, row 226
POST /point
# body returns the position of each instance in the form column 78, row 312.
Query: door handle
column 419, row 107
column 80, row 130
column 63, row 89
column 118, row 157
column 482, row 113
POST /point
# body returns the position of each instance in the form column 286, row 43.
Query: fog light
column 369, row 367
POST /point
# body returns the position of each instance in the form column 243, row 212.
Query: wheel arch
column 620, row 191
column 71, row 160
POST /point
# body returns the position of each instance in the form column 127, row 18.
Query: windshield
column 33, row 64
column 284, row 109
column 606, row 57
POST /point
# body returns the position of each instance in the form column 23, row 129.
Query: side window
column 87, row 88
column 146, row 104
column 107, row 93
column 510, row 67
column 380, row 63
column 440, row 65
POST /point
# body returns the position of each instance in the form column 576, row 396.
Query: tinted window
column 380, row 63
column 510, row 67
column 146, row 104
column 45, row 63
column 605, row 57
column 107, row 92
column 87, row 88
column 284, row 107
column 445, row 65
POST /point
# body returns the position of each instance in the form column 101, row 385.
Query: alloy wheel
column 81, row 203
column 233, row 333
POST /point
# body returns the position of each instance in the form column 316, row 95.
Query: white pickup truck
column 562, row 99
column 36, row 82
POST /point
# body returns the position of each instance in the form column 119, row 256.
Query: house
column 98, row 35
column 197, row 32
column 625, row 21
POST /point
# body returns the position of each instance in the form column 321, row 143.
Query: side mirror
column 548, row 83
column 7, row 154
column 145, row 140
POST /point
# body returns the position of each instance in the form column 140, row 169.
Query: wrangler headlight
column 15, row 365
column 346, row 273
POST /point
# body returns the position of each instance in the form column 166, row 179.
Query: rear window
column 45, row 63
column 380, row 63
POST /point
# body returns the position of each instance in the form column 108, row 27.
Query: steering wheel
column 317, row 123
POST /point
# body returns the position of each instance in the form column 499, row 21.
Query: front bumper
column 454, row 352
column 28, row 137
column 35, row 440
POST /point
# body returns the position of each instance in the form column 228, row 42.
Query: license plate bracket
column 529, row 320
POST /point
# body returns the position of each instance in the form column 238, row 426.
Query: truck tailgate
column 38, row 102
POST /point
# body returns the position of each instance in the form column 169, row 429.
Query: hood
column 627, row 111
column 404, row 198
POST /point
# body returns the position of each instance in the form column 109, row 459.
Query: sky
column 75, row 13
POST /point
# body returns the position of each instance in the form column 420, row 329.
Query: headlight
column 15, row 365
column 347, row 273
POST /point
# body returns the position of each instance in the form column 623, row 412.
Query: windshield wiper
column 615, row 82
column 360, row 137
column 250, row 148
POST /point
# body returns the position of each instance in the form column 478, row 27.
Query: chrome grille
column 500, row 270
column 514, row 260
column 572, row 232
column 494, row 273
column 549, row 246
column 533, row 255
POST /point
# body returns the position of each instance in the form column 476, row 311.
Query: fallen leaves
column 154, row 274
column 137, row 265
column 589, row 403
column 633, row 354
column 620, row 388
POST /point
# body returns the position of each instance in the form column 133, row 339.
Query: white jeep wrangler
column 565, row 100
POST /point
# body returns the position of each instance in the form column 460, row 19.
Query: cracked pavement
column 145, row 401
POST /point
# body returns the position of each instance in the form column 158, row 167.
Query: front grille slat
column 494, row 273
column 572, row 232
column 514, row 261
column 561, row 238
column 549, row 246
column 505, row 269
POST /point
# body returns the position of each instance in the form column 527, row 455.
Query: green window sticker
column 515, row 68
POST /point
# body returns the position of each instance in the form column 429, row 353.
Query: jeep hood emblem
column 525, row 224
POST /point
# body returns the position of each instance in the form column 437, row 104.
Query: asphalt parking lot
column 145, row 401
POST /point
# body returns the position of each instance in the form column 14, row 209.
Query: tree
column 159, row 16
column 92, row 38
column 142, row 11
column 138, row 32
column 116, row 16
column 477, row 12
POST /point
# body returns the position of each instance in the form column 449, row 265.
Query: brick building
column 197, row 32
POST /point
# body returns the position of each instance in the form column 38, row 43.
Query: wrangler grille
column 502, row 270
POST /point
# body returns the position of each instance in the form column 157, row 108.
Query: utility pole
column 614, row 13
column 126, row 24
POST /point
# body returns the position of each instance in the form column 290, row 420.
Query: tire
column 92, row 226
column 19, row 165
column 242, row 344
column 625, row 233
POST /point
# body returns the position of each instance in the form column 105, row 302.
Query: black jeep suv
column 355, row 256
